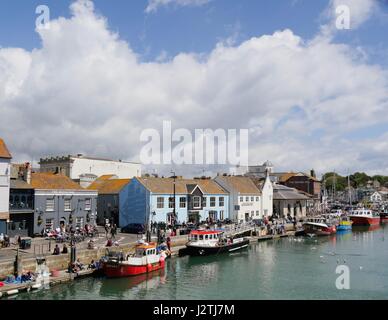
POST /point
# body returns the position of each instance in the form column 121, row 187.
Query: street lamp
column 174, row 210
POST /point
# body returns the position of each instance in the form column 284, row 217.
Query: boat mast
column 350, row 193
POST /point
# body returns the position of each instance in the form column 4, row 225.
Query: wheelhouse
column 145, row 250
column 199, row 235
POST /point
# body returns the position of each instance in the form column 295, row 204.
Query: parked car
column 134, row 228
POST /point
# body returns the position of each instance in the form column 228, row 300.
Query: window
column 182, row 202
column 79, row 222
column 246, row 199
column 257, row 199
column 257, row 213
column 252, row 199
column 160, row 203
column 171, row 202
column 88, row 204
column 241, row 199
column 196, row 202
column 67, row 204
column 50, row 203
column 212, row 201
column 221, row 201
column 50, row 224
column 204, row 202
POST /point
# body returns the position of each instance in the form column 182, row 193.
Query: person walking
column 114, row 231
column 106, row 230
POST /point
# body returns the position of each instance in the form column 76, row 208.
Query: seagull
column 361, row 267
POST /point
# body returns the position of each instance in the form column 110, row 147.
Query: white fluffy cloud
column 153, row 5
column 86, row 91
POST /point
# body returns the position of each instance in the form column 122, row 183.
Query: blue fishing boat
column 344, row 224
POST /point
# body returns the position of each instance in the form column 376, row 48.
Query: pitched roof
column 99, row 182
column 288, row 175
column 285, row 177
column 109, row 186
column 281, row 192
column 182, row 186
column 53, row 182
column 4, row 152
column 243, row 185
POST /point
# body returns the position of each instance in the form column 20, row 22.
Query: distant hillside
column 357, row 180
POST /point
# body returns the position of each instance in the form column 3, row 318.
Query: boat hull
column 342, row 227
column 384, row 217
column 118, row 270
column 365, row 221
column 193, row 250
column 319, row 231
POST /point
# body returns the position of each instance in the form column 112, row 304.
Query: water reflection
column 119, row 287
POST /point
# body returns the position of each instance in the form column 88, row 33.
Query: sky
column 312, row 96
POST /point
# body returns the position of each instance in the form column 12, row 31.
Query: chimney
column 28, row 173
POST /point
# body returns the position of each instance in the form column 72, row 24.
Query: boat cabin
column 363, row 213
column 205, row 235
column 145, row 250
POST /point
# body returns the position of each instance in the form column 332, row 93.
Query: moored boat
column 319, row 226
column 208, row 242
column 384, row 214
column 147, row 258
column 364, row 217
column 345, row 223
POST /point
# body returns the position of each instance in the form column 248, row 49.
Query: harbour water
column 289, row 268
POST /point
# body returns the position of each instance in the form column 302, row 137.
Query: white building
column 379, row 196
column 86, row 169
column 246, row 200
column 5, row 172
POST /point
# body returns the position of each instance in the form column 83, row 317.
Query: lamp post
column 174, row 210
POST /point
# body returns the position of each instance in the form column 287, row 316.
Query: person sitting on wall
column 109, row 243
column 57, row 251
column 92, row 265
column 64, row 250
column 79, row 265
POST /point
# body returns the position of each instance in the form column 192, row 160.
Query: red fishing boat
column 364, row 217
column 147, row 258
column 319, row 226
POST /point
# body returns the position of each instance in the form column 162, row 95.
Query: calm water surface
column 290, row 268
